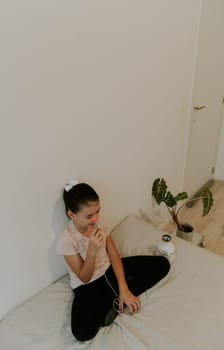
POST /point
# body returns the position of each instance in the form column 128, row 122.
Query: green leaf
column 169, row 199
column 159, row 189
column 181, row 196
column 207, row 200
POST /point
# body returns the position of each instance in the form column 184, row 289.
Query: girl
column 102, row 282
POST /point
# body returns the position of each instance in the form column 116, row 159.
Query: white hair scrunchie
column 71, row 183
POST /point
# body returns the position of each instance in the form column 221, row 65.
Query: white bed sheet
column 185, row 311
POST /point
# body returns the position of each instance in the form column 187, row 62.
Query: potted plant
column 162, row 195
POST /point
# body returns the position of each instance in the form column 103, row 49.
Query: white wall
column 99, row 90
column 219, row 166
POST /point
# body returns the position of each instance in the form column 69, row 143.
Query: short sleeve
column 65, row 245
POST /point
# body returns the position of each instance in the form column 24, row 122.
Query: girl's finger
column 131, row 310
column 121, row 306
column 96, row 232
column 136, row 306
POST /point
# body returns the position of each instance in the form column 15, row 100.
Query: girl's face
column 87, row 216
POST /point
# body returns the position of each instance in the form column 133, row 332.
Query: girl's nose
column 93, row 220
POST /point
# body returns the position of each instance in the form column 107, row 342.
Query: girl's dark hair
column 78, row 195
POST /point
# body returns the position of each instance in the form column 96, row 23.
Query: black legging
column 93, row 300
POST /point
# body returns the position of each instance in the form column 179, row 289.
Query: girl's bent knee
column 83, row 334
column 165, row 265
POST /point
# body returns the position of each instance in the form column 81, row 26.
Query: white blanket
column 185, row 311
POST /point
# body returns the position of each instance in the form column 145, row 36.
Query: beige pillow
column 133, row 236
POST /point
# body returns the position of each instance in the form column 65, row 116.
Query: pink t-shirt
column 72, row 242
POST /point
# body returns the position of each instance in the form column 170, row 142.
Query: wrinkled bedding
column 185, row 311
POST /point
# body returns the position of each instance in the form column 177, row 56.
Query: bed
column 184, row 311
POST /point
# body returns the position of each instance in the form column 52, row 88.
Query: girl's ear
column 70, row 213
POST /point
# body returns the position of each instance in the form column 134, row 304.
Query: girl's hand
column 96, row 240
column 131, row 301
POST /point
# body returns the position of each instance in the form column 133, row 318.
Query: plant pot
column 186, row 233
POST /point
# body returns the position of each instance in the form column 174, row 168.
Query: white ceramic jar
column 166, row 247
